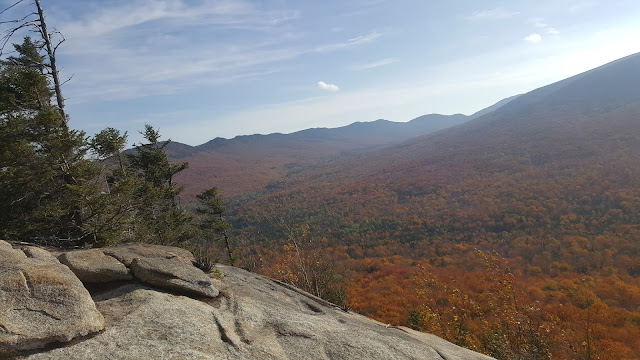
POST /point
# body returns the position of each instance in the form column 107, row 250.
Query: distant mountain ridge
column 573, row 110
column 249, row 163
column 377, row 133
column 374, row 133
column 583, row 131
column 549, row 181
column 494, row 107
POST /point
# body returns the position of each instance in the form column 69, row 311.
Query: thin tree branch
column 66, row 81
column 11, row 6
column 59, row 42
column 5, row 39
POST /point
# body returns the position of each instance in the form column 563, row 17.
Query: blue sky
column 219, row 68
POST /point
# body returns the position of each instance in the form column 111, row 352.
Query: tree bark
column 52, row 61
column 226, row 241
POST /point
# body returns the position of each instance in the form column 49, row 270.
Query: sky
column 201, row 69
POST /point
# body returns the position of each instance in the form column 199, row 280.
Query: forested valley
column 516, row 234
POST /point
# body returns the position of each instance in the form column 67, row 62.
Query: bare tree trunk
column 51, row 52
column 226, row 241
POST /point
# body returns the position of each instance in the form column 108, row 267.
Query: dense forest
column 516, row 234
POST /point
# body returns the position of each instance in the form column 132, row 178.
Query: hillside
column 250, row 163
column 550, row 181
column 566, row 126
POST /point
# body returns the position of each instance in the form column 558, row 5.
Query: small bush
column 205, row 257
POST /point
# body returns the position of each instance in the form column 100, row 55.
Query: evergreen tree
column 212, row 222
column 118, row 202
column 49, row 42
column 47, row 186
column 159, row 218
column 109, row 143
column 24, row 88
column 51, row 192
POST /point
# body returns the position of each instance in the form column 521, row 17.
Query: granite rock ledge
column 250, row 316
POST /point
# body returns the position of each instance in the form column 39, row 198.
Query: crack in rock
column 39, row 311
column 223, row 333
column 28, row 283
column 441, row 354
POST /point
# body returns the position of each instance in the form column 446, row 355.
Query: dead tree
column 35, row 22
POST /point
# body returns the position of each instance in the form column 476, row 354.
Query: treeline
column 62, row 188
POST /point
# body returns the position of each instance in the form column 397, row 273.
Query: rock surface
column 243, row 316
column 128, row 252
column 41, row 301
column 93, row 266
column 173, row 274
column 253, row 318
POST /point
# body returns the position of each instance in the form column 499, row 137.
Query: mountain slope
column 593, row 113
column 550, row 182
column 249, row 163
column 252, row 163
column 570, row 150
column 494, row 107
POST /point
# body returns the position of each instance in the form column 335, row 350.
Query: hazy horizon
column 221, row 68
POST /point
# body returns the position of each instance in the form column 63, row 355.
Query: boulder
column 41, row 301
column 253, row 318
column 93, row 266
column 173, row 274
column 128, row 252
column 242, row 316
column 6, row 245
column 39, row 254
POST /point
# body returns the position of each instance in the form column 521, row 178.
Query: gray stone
column 128, row 252
column 40, row 254
column 93, row 266
column 173, row 274
column 4, row 244
column 254, row 318
column 11, row 257
column 41, row 301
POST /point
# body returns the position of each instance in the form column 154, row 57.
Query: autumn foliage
column 516, row 234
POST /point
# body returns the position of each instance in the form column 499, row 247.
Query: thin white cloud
column 541, row 24
column 375, row 64
column 582, row 5
column 493, row 14
column 228, row 13
column 141, row 44
column 552, row 31
column 480, row 80
column 143, row 50
column 538, row 22
column 129, row 73
column 356, row 41
column 533, row 38
column 327, row 87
